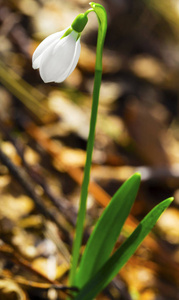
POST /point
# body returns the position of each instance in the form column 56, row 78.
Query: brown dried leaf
column 111, row 60
column 15, row 207
column 148, row 133
column 9, row 290
column 149, row 68
column 168, row 224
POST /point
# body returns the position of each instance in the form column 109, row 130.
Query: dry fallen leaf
column 15, row 207
column 9, row 290
column 168, row 224
column 47, row 266
column 147, row 132
column 10, row 151
column 149, row 68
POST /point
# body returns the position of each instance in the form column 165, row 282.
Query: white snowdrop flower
column 57, row 56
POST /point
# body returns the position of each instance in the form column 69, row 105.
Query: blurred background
column 44, row 130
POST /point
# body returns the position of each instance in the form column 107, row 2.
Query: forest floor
column 44, row 130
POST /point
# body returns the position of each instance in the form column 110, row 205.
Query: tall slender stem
column 84, row 190
column 102, row 20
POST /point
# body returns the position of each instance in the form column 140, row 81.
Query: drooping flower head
column 57, row 55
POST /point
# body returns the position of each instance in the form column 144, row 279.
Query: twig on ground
column 20, row 175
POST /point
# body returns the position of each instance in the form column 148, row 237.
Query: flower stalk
column 102, row 22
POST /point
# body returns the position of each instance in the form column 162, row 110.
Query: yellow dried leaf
column 169, row 225
column 9, row 290
column 15, row 207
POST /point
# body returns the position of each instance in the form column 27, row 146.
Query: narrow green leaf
column 107, row 230
column 122, row 255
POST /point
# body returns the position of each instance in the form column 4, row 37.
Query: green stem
column 101, row 14
column 85, row 184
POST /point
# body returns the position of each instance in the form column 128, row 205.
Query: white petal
column 76, row 57
column 57, row 58
column 73, row 63
column 43, row 46
column 36, row 62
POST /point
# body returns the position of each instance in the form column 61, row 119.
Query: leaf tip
column 171, row 199
column 138, row 174
column 166, row 203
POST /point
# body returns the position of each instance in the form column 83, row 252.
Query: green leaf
column 122, row 255
column 107, row 230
